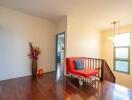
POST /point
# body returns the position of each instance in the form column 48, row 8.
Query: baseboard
column 24, row 76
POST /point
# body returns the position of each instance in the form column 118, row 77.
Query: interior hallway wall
column 83, row 39
column 16, row 31
column 107, row 54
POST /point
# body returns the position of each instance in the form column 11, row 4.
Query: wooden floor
column 53, row 87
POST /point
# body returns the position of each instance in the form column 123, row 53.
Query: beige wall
column 107, row 53
column 61, row 25
column 16, row 31
column 82, row 38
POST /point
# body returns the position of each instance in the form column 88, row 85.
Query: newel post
column 102, row 70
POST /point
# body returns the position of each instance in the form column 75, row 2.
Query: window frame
column 122, row 59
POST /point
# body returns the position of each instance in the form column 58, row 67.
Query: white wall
column 82, row 39
column 16, row 31
column 61, row 25
column 107, row 53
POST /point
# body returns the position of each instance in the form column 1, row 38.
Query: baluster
column 89, row 63
column 85, row 62
column 93, row 63
column 97, row 64
column 82, row 62
column 100, row 68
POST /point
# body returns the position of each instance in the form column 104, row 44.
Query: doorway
column 60, row 53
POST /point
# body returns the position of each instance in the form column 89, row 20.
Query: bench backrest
column 70, row 65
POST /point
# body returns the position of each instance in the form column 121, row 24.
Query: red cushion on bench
column 85, row 72
column 70, row 68
column 70, row 65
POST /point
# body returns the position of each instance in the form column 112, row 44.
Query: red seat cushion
column 86, row 72
column 70, row 67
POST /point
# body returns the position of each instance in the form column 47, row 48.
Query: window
column 122, row 53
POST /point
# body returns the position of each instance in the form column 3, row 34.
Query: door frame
column 56, row 49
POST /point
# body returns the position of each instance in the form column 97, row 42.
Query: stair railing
column 105, row 71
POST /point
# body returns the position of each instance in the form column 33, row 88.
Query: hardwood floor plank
column 50, row 87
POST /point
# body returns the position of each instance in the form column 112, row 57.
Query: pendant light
column 115, row 30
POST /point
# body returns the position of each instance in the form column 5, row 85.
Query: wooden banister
column 102, row 70
column 93, row 63
column 105, row 71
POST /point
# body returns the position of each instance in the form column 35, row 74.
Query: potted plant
column 34, row 53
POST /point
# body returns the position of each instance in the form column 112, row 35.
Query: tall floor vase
column 34, row 68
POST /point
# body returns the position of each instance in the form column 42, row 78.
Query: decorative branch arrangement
column 34, row 53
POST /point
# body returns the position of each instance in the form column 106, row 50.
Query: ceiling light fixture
column 115, row 30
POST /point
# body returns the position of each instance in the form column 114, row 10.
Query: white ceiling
column 52, row 9
column 100, row 12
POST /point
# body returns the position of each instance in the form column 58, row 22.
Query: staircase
column 105, row 71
